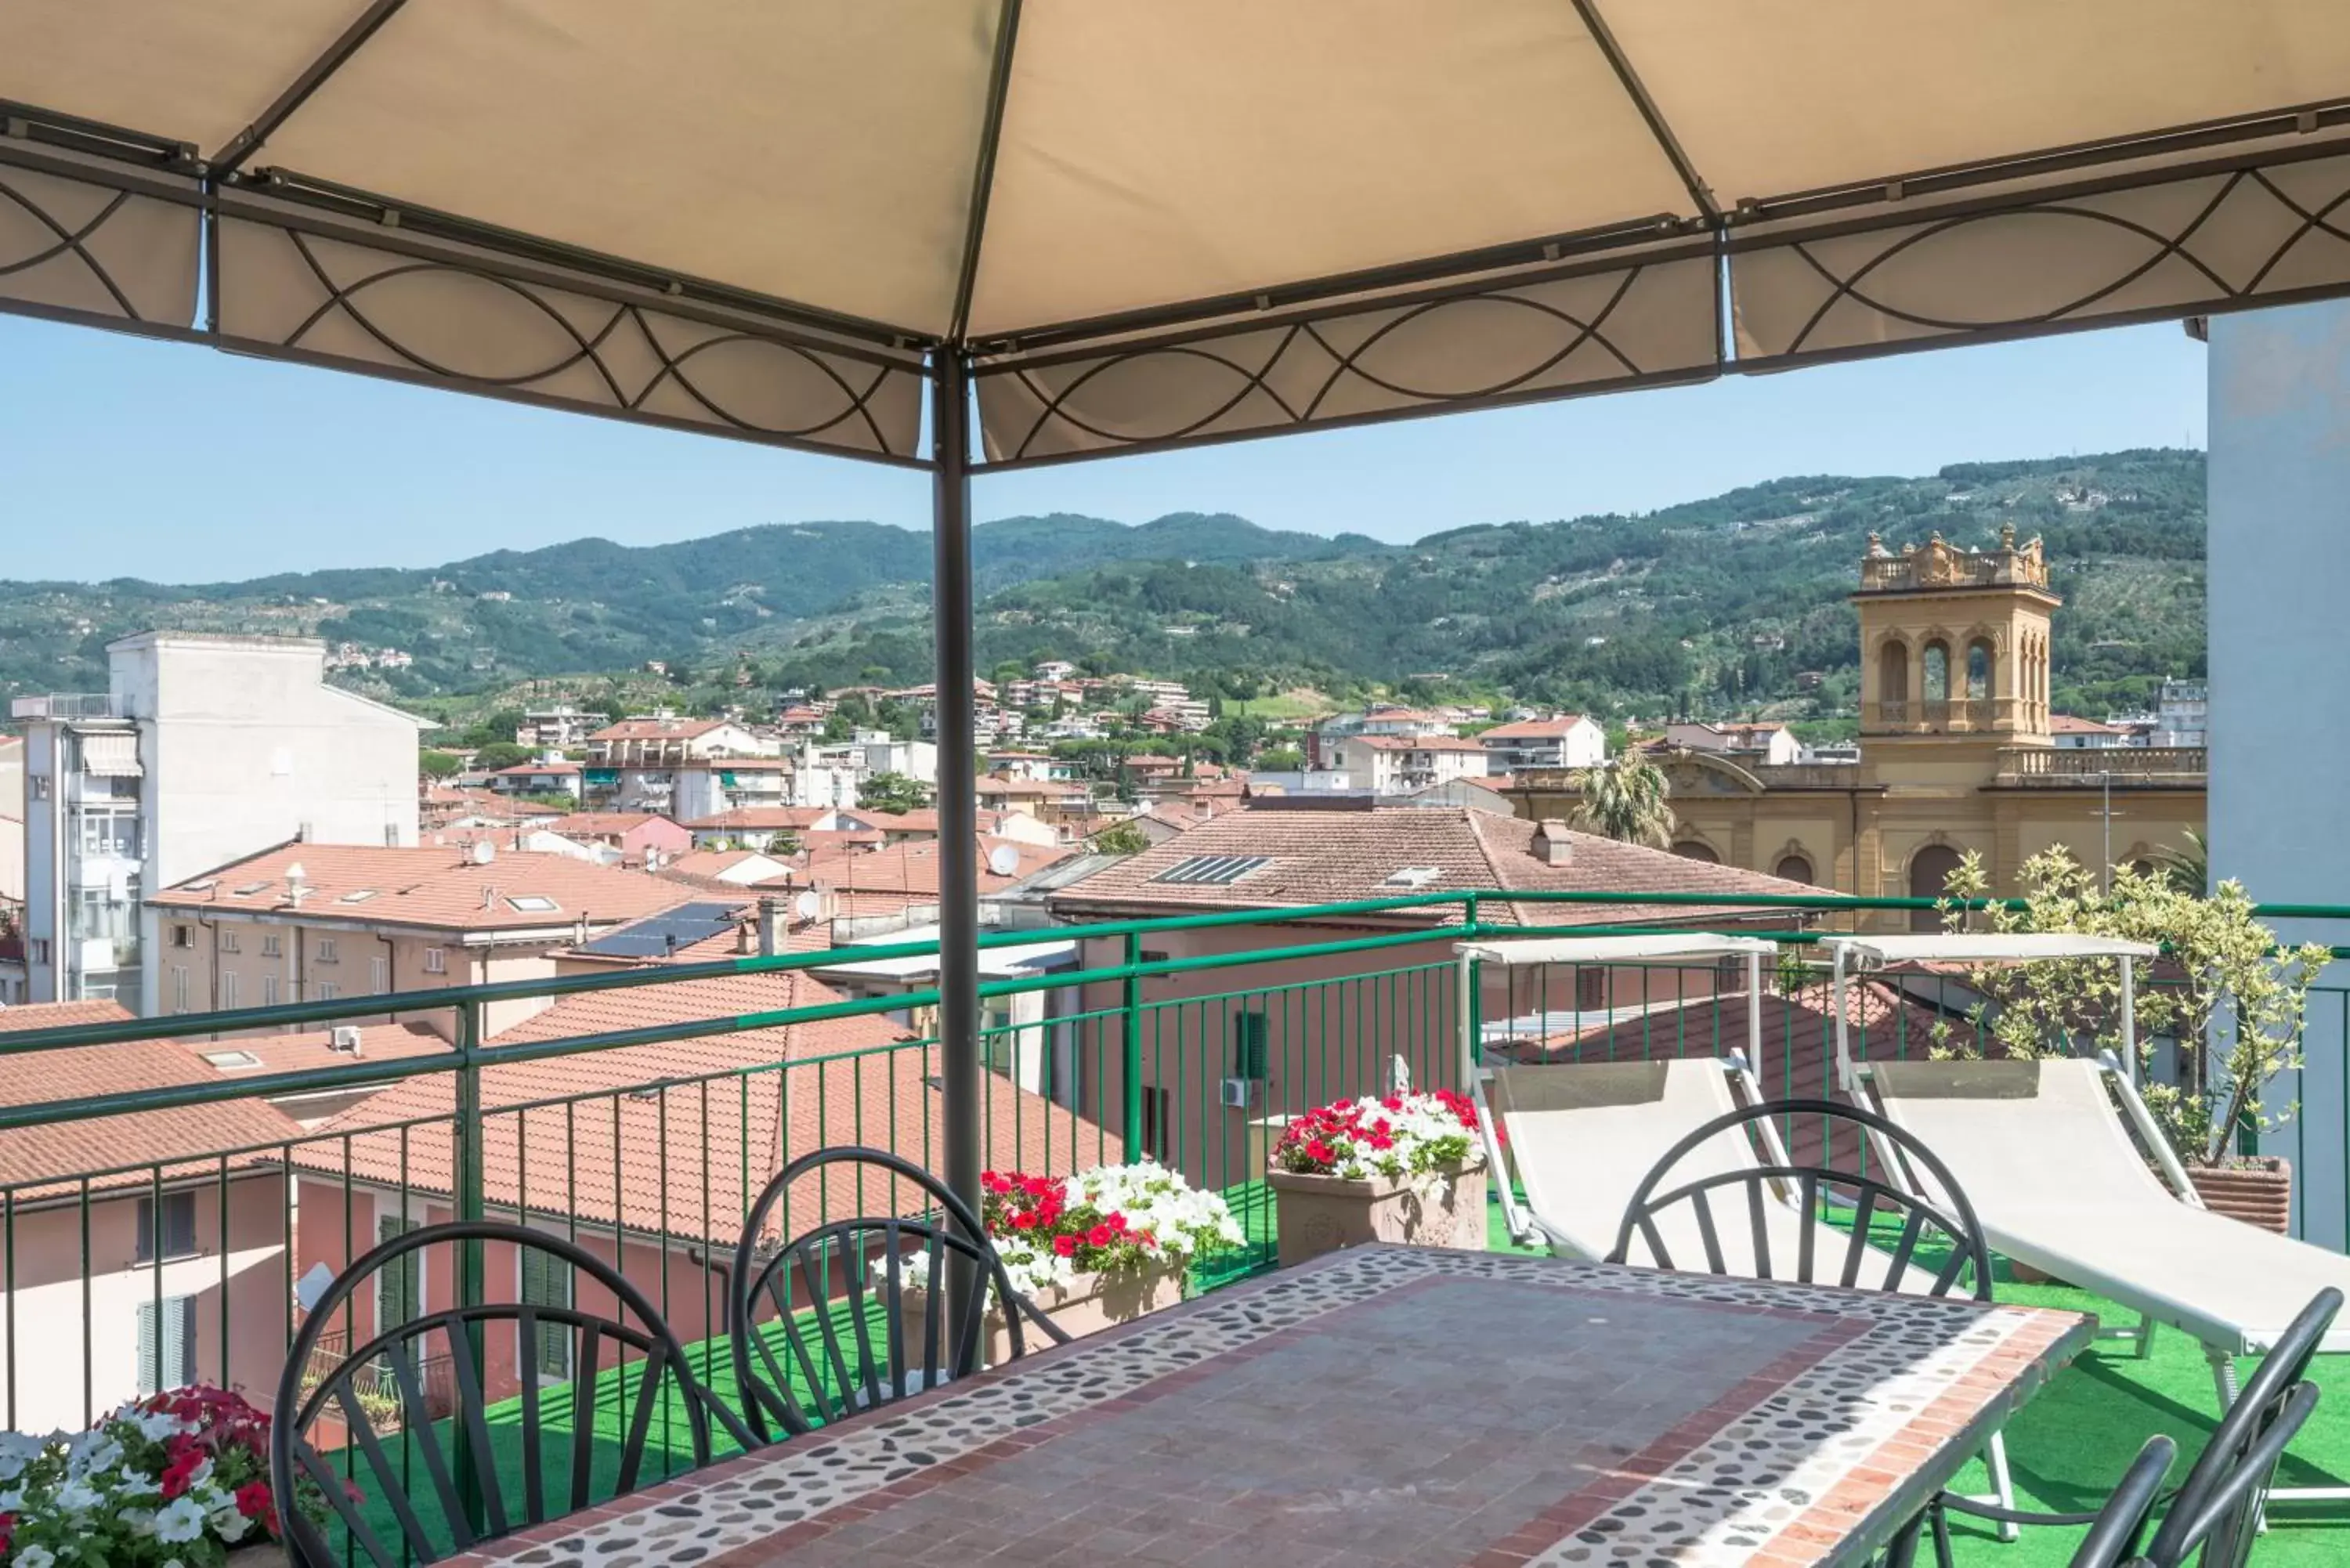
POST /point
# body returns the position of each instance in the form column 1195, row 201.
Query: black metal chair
column 1952, row 1223
column 2256, row 1408
column 2221, row 1522
column 443, row 1455
column 2116, row 1529
column 823, row 1356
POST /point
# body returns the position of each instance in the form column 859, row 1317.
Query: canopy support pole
column 951, row 608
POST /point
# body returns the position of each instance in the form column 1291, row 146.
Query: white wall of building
column 2279, row 722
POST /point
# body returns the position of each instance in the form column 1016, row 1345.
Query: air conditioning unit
column 1241, row 1094
column 345, row 1038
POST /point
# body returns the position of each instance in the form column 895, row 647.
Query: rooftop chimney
column 771, row 915
column 295, row 883
column 1553, row 845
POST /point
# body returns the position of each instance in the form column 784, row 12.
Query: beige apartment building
column 311, row 923
column 1957, row 751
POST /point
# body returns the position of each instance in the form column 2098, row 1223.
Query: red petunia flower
column 1101, row 1236
column 1064, row 1245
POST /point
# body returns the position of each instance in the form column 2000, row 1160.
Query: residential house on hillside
column 906, row 876
column 1565, row 741
column 310, row 922
column 547, row 775
column 557, row 728
column 2072, row 732
column 632, row 765
column 1307, row 1030
column 118, row 1281
column 654, row 1180
column 1396, row 764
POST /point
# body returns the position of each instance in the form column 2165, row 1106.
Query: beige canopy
column 1117, row 224
column 1153, row 221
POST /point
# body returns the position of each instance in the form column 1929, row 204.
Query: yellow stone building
column 1955, row 750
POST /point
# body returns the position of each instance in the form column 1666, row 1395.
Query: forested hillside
column 1732, row 604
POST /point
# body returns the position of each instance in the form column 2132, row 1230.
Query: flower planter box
column 2257, row 1190
column 268, row 1554
column 1089, row 1305
column 1318, row 1214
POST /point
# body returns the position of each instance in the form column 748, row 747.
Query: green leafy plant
column 1119, row 839
column 2229, row 998
column 1625, row 800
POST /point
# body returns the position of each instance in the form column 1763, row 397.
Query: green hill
column 1736, row 603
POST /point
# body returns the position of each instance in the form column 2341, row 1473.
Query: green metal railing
column 122, row 1274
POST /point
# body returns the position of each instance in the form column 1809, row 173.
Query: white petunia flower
column 78, row 1496
column 157, row 1425
column 180, row 1521
column 35, row 1557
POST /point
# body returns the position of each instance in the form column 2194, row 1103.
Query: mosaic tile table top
column 1390, row 1406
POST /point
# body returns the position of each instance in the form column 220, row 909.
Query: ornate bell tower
column 1954, row 643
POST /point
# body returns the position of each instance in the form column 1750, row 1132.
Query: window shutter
column 179, row 1225
column 179, row 1341
column 1248, row 1045
column 147, row 1348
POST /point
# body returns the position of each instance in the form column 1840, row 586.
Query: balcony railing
column 651, row 1157
column 64, row 705
column 2073, row 767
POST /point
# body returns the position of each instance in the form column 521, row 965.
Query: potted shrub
column 2228, row 999
column 1102, row 1247
column 180, row 1478
column 1405, row 1168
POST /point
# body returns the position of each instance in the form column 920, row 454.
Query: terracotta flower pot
column 1318, row 1214
column 1088, row 1305
column 2255, row 1188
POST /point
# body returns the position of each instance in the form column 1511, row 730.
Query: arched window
column 1937, row 672
column 1893, row 672
column 1979, row 669
column 1794, row 868
column 1930, row 876
column 1690, row 849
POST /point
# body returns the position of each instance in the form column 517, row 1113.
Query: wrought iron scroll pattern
column 1256, row 356
column 66, row 239
column 593, row 345
column 1851, row 281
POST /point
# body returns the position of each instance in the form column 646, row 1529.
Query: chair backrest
column 421, row 1455
column 1949, row 1222
column 2114, row 1534
column 838, row 1341
column 2223, row 1522
column 2258, row 1405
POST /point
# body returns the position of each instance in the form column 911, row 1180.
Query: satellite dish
column 311, row 1288
column 807, row 906
column 1003, row 860
column 482, row 852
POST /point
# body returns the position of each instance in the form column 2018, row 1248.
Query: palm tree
column 2186, row 870
column 1625, row 800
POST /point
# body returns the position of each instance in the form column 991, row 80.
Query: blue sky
column 177, row 464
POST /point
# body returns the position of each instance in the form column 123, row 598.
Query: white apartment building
column 1397, row 764
column 1563, row 741
column 711, row 787
column 203, row 750
column 632, row 765
column 559, row 727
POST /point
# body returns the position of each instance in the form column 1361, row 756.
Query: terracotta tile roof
column 923, row 819
column 912, row 866
column 2072, row 724
column 1059, row 789
column 824, row 842
column 710, row 862
column 539, row 768
column 678, row 1161
column 1532, row 729
column 658, row 729
column 1338, row 856
column 761, row 819
column 33, row 1157
column 433, row 887
column 600, row 823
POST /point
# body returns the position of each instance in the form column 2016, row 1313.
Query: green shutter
column 167, row 1344
column 547, row 1282
column 1248, row 1045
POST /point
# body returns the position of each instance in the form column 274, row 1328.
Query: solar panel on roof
column 1212, row 871
column 665, row 933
